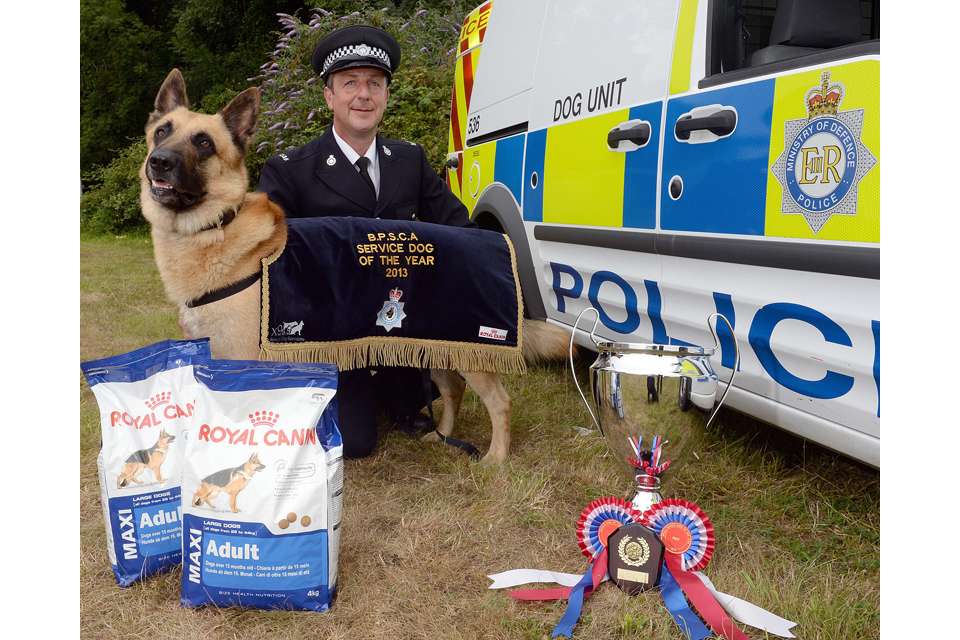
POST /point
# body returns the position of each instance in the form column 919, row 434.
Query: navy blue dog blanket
column 359, row 292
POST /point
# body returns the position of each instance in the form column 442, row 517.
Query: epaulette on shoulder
column 398, row 143
column 300, row 153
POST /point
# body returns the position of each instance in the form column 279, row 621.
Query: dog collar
column 226, row 217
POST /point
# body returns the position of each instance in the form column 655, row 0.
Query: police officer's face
column 357, row 98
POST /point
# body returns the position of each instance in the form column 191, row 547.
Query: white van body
column 652, row 161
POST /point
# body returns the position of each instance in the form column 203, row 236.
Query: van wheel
column 684, row 401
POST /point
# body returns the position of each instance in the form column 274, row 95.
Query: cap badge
column 363, row 50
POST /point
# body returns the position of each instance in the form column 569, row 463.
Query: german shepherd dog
column 231, row 481
column 150, row 458
column 209, row 234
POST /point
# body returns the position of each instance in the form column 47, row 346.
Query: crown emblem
column 395, row 295
column 157, row 400
column 264, row 418
column 824, row 99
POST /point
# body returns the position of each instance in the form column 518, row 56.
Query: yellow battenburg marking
column 683, row 48
column 583, row 180
column 861, row 81
column 465, row 71
column 466, row 66
column 687, row 368
column 478, row 166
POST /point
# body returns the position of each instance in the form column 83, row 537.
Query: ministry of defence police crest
column 391, row 314
column 823, row 159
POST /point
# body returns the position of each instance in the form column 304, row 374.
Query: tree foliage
column 118, row 58
column 127, row 49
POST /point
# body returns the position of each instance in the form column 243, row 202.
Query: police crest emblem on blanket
column 391, row 315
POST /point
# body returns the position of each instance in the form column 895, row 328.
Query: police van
column 664, row 161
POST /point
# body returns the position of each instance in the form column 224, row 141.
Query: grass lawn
column 797, row 526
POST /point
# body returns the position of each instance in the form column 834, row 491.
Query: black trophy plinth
column 635, row 558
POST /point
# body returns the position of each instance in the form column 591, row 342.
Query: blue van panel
column 724, row 181
column 533, row 197
column 508, row 165
column 640, row 173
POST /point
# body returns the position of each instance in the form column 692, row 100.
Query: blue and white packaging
column 146, row 399
column 262, row 487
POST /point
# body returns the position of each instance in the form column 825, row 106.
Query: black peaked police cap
column 356, row 46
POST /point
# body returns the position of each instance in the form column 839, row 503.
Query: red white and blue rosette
column 601, row 518
column 684, row 529
column 688, row 541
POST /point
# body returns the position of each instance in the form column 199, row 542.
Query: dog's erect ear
column 172, row 94
column 241, row 116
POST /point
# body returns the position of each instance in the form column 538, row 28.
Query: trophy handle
column 736, row 360
column 573, row 371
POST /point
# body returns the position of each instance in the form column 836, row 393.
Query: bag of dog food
column 262, row 487
column 146, row 399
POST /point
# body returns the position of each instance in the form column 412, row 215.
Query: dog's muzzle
column 165, row 169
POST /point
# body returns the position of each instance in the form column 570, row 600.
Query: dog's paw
column 433, row 437
column 494, row 457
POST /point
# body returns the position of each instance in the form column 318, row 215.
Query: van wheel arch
column 497, row 210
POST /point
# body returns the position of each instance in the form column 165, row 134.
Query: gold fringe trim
column 393, row 351
column 400, row 352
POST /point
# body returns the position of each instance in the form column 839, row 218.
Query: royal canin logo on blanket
column 493, row 334
column 162, row 407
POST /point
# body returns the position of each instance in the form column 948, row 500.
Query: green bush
column 292, row 108
column 112, row 204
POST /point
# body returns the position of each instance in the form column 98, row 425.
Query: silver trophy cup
column 645, row 390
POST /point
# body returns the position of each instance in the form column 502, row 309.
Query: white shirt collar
column 353, row 156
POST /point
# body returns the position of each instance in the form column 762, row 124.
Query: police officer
column 351, row 170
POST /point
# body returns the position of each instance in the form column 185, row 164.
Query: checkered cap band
column 356, row 49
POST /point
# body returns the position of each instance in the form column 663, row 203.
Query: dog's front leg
column 495, row 398
column 451, row 388
column 186, row 334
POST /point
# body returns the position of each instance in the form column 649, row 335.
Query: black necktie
column 364, row 164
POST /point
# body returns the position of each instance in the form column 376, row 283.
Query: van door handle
column 721, row 123
column 637, row 133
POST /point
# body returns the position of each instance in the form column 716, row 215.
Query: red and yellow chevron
column 471, row 37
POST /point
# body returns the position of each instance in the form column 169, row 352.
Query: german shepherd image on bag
column 231, row 481
column 150, row 458
column 209, row 236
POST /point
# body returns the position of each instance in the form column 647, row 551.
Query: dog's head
column 165, row 438
column 194, row 168
column 253, row 464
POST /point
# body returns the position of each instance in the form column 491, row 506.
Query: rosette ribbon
column 601, row 518
column 688, row 536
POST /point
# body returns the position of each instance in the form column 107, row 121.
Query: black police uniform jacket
column 318, row 180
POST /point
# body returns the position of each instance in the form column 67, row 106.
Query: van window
column 747, row 38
